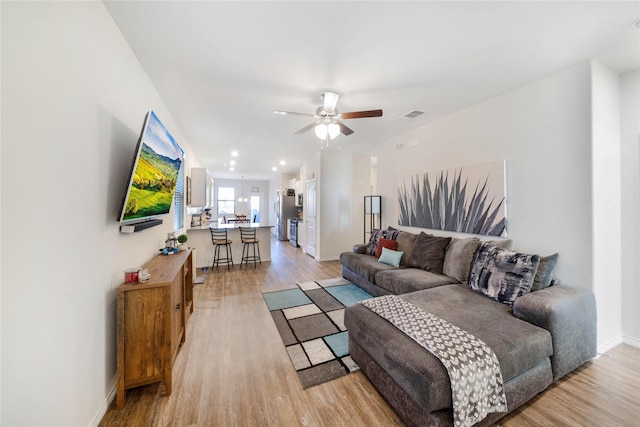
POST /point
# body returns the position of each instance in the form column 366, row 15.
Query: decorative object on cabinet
column 182, row 240
column 372, row 215
column 151, row 323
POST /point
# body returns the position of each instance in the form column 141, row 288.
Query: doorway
column 255, row 208
column 310, row 209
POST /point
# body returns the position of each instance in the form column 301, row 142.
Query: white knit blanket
column 474, row 370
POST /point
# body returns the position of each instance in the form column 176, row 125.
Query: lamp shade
column 334, row 130
column 321, row 131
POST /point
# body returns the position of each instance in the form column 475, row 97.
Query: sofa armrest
column 569, row 314
column 360, row 248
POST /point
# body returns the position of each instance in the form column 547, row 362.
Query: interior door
column 310, row 209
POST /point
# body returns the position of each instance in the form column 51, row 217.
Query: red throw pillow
column 386, row 243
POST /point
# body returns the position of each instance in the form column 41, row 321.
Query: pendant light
column 242, row 198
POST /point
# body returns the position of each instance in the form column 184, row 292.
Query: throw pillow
column 405, row 244
column 428, row 252
column 390, row 257
column 544, row 274
column 502, row 274
column 373, row 242
column 385, row 243
column 504, row 243
column 376, row 234
column 459, row 257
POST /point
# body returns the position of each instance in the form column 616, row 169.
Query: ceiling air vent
column 413, row 114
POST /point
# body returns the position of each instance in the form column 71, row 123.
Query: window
column 178, row 201
column 226, row 200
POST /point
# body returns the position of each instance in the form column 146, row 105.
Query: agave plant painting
column 467, row 200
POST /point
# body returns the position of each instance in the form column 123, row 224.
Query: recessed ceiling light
column 234, row 153
column 274, row 168
column 232, row 168
column 282, row 163
column 232, row 162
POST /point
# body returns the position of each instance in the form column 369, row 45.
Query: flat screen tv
column 153, row 174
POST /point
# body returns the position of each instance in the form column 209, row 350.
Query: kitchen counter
column 200, row 239
column 215, row 224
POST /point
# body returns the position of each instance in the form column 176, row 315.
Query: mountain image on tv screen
column 156, row 172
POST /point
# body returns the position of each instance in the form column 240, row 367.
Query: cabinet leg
column 120, row 397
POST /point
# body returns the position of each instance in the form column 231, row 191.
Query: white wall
column 73, row 101
column 543, row 131
column 606, row 204
column 345, row 181
column 571, row 187
column 630, row 154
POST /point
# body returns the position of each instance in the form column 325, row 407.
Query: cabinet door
column 145, row 334
column 177, row 315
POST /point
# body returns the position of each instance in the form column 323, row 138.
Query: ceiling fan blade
column 306, row 128
column 344, row 129
column 291, row 113
column 330, row 99
column 361, row 114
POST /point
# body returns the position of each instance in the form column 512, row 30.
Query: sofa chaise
column 538, row 331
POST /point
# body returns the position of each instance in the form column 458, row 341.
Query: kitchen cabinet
column 201, row 188
column 151, row 322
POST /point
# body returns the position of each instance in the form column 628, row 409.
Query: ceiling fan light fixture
column 321, row 131
column 334, row 130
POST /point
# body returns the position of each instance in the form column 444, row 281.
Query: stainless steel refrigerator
column 285, row 207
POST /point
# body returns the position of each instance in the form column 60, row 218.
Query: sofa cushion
column 385, row 243
column 377, row 234
column 428, row 252
column 405, row 244
column 458, row 258
column 519, row 345
column 390, row 257
column 544, row 274
column 502, row 274
column 363, row 265
column 406, row 280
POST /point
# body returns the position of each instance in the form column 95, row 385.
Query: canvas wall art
column 470, row 200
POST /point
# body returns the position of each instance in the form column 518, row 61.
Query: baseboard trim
column 103, row 409
column 631, row 341
column 603, row 348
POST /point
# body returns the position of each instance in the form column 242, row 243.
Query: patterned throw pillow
column 502, row 274
column 376, row 234
column 386, row 243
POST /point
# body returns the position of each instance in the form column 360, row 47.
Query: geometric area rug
column 310, row 320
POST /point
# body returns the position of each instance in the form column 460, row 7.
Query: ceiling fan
column 328, row 118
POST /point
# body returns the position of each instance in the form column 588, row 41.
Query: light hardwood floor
column 234, row 371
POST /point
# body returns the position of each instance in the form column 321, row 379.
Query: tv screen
column 154, row 173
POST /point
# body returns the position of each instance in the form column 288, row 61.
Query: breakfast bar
column 200, row 239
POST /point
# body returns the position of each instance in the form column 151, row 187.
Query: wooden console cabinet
column 151, row 322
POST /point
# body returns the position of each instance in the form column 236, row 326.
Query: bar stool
column 249, row 241
column 219, row 238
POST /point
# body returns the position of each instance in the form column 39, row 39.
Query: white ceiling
column 222, row 67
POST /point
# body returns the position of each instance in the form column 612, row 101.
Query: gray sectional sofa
column 538, row 331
